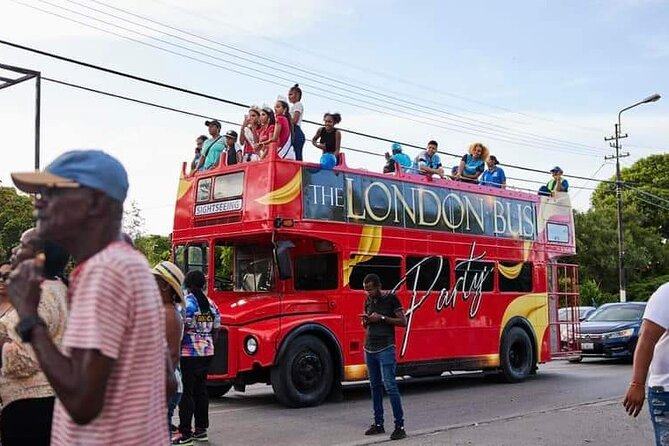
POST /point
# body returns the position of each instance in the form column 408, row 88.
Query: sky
column 539, row 82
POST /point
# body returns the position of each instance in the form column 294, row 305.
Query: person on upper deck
column 472, row 163
column 397, row 157
column 248, row 134
column 198, row 151
column 283, row 129
column 328, row 139
column 212, row 148
column 296, row 114
column 428, row 162
column 556, row 184
column 231, row 156
column 265, row 131
column 493, row 176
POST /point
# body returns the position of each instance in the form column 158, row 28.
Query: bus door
column 563, row 304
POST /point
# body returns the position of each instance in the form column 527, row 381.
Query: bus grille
column 219, row 364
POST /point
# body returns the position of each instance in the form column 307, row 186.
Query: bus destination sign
column 331, row 195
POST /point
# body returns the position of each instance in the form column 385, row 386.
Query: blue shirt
column 493, row 178
column 425, row 160
column 472, row 165
column 212, row 149
column 402, row 159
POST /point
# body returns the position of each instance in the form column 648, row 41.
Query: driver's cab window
column 192, row 257
column 243, row 268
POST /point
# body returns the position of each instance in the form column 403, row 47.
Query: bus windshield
column 244, row 268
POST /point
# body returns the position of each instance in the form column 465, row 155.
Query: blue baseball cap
column 78, row 168
column 396, row 147
column 556, row 169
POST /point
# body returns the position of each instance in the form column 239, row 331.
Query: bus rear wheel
column 517, row 355
column 305, row 374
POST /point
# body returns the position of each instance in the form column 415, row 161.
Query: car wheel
column 218, row 390
column 517, row 355
column 305, row 374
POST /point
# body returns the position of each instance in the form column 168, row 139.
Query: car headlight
column 621, row 334
column 251, row 345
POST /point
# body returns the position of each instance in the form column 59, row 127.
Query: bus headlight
column 251, row 345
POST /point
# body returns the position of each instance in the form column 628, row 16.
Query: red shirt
column 284, row 134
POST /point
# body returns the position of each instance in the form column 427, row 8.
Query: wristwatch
column 383, row 318
column 26, row 326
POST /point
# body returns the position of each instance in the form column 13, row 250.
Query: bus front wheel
column 304, row 375
column 517, row 355
column 218, row 390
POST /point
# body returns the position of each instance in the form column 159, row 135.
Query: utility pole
column 619, row 190
column 619, row 203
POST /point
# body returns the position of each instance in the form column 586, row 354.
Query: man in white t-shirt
column 652, row 354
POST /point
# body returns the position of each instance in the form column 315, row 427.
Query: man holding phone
column 383, row 312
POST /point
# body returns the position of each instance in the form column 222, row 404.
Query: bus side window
column 387, row 268
column 431, row 268
column 475, row 270
column 510, row 279
column 223, row 264
column 316, row 272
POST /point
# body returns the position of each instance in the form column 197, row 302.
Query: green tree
column 646, row 254
column 16, row 215
column 648, row 175
column 155, row 247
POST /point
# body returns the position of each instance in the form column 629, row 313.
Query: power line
column 226, row 101
column 387, row 76
column 302, row 70
column 467, row 128
column 648, row 194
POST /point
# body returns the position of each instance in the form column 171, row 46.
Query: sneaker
column 200, row 435
column 173, row 429
column 181, row 439
column 375, row 429
column 398, row 434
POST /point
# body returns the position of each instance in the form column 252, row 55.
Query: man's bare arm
column 79, row 381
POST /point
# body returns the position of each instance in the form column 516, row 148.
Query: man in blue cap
column 556, row 184
column 397, row 157
column 114, row 345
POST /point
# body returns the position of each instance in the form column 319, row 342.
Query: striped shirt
column 115, row 307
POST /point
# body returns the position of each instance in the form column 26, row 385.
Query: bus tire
column 218, row 390
column 305, row 373
column 517, row 355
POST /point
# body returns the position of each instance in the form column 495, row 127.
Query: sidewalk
column 601, row 423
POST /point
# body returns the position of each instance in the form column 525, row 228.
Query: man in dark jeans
column 383, row 312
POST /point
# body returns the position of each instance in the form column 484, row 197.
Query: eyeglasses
column 4, row 276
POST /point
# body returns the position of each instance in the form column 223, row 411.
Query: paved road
column 440, row 410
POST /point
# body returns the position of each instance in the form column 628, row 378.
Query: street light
column 619, row 191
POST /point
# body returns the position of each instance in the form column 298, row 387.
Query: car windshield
column 566, row 314
column 617, row 313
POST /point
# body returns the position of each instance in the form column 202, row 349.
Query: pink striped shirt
column 115, row 308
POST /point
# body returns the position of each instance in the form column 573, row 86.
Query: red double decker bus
column 285, row 246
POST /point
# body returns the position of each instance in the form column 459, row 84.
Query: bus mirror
column 281, row 252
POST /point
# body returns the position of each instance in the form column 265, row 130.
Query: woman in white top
column 296, row 113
